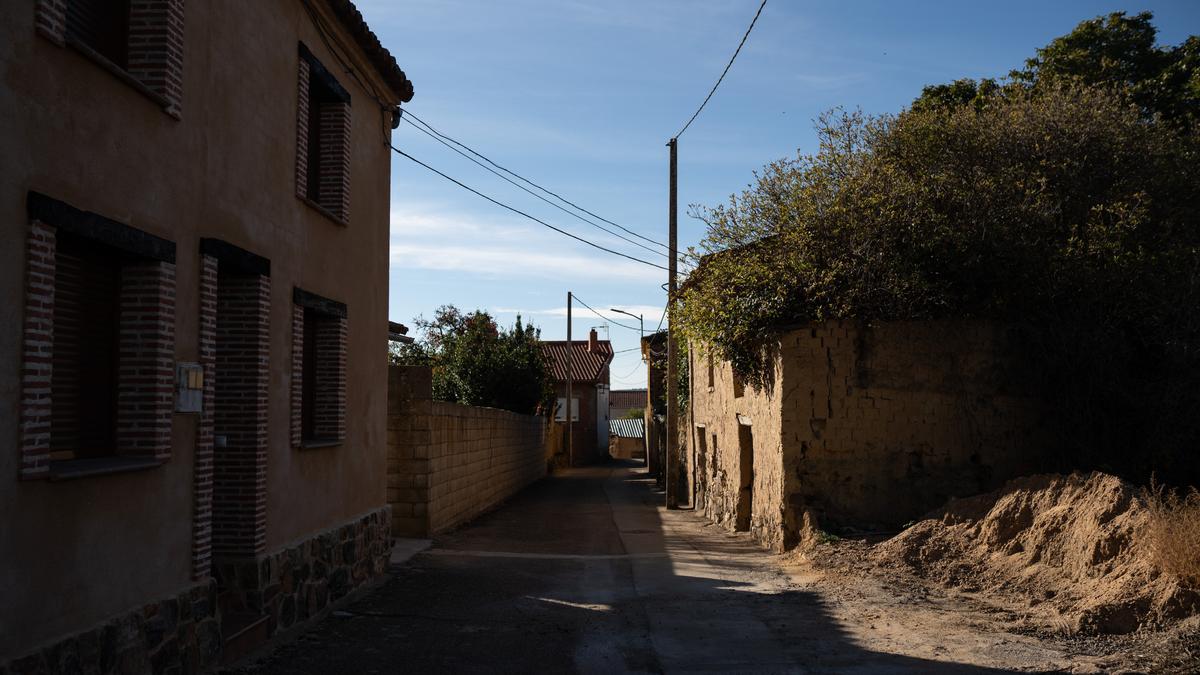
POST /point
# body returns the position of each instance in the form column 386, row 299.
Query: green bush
column 475, row 362
column 1061, row 210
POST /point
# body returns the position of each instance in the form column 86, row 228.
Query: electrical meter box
column 189, row 387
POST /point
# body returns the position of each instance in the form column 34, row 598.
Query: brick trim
column 297, row 390
column 302, row 111
column 145, row 390
column 202, row 481
column 335, row 159
column 154, row 48
column 37, row 345
column 329, row 416
column 240, row 415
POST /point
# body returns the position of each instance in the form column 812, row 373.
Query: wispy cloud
column 427, row 236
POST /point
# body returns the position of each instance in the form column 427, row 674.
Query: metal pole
column 672, row 463
column 570, row 376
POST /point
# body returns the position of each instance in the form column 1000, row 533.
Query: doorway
column 745, row 502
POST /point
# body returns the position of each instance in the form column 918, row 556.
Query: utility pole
column 570, row 377
column 671, row 468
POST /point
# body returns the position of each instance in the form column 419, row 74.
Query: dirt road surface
column 585, row 572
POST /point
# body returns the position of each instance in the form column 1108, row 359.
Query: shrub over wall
column 1065, row 210
column 476, row 362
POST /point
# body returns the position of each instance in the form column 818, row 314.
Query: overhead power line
column 723, row 73
column 526, row 180
column 522, row 213
column 522, row 187
column 576, row 297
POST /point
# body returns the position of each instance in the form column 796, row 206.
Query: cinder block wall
column 877, row 424
column 448, row 463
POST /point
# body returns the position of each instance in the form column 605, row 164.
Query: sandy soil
column 914, row 616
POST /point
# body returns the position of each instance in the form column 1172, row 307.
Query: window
column 99, row 344
column 318, row 371
column 561, row 409
column 139, row 42
column 323, row 140
column 84, row 375
column 739, row 385
column 711, row 374
column 102, row 25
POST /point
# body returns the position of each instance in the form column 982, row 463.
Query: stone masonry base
column 297, row 583
column 182, row 634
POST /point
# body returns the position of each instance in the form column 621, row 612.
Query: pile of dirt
column 1073, row 549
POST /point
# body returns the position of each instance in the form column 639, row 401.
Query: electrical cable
column 522, row 187
column 727, row 66
column 522, row 213
column 526, row 180
column 602, row 317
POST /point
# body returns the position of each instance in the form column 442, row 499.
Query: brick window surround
column 139, row 41
column 322, row 140
column 138, row 385
column 229, row 515
column 318, row 415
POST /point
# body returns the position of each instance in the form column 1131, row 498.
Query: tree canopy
column 1117, row 51
column 1058, row 205
column 475, row 362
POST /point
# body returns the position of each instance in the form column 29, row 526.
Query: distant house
column 589, row 405
column 194, row 280
column 626, row 438
column 623, row 401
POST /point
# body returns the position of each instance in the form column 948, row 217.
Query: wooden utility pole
column 570, row 377
column 672, row 459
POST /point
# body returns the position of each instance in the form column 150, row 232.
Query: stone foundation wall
column 180, row 634
column 295, row 584
column 448, row 463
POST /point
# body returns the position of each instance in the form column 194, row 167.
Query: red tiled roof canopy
column 383, row 61
column 627, row 398
column 587, row 366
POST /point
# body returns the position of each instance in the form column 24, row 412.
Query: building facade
column 589, row 366
column 862, row 425
column 196, row 202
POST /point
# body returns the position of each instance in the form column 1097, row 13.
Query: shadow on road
column 579, row 574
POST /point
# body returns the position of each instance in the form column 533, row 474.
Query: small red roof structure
column 589, row 358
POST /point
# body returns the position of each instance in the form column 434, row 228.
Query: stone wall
column 871, row 425
column 178, row 634
column 297, row 583
column 448, row 463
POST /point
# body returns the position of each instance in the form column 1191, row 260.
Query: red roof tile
column 586, row 366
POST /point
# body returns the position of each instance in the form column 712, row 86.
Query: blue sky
column 582, row 97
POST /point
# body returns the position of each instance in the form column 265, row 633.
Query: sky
column 582, row 96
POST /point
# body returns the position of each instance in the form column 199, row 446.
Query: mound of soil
column 1072, row 548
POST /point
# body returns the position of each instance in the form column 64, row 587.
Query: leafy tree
column 475, row 362
column 634, row 414
column 1062, row 211
column 1117, row 51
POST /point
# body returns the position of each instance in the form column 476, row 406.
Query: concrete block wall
column 448, row 463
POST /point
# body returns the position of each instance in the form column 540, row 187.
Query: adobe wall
column 868, row 426
column 886, row 421
column 225, row 169
column 714, row 454
column 448, row 463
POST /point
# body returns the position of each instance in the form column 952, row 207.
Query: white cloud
column 428, row 236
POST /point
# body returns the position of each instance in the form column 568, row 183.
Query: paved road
column 583, row 572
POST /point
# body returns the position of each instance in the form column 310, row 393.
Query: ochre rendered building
column 194, row 202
